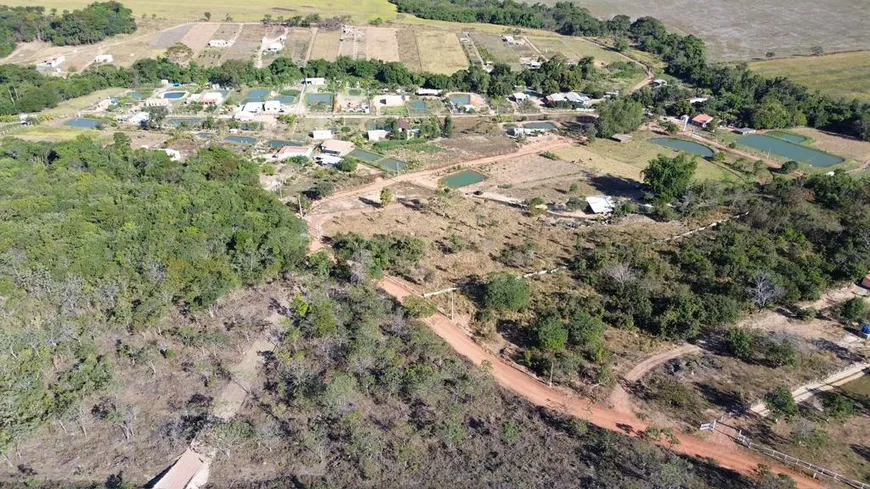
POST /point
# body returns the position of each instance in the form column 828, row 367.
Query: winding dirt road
column 620, row 399
column 540, row 394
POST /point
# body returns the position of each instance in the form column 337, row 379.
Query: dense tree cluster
column 105, row 239
column 91, row 24
column 797, row 238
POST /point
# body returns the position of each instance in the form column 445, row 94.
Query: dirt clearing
column 381, row 43
column 408, row 52
column 198, row 36
column 440, row 52
column 326, row 45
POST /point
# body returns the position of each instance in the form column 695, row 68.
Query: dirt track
column 619, row 399
column 540, row 394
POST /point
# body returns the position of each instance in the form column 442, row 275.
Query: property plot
column 841, row 75
column 440, row 52
column 247, row 43
column 352, row 43
column 574, row 48
column 296, row 47
column 409, row 55
column 198, row 36
column 381, row 43
column 326, row 45
column 495, row 50
column 171, row 37
column 213, row 56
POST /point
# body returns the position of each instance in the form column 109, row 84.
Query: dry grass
column 247, row 44
column 841, row 75
column 381, row 43
column 742, row 29
column 440, row 52
column 409, row 55
column 575, row 48
column 171, row 37
column 492, row 48
column 198, row 36
column 326, row 45
column 297, row 45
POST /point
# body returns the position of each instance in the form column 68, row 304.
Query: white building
column 428, row 92
column 253, row 107
column 156, row 102
column 272, row 106
column 600, row 204
column 211, row 98
column 327, row 160
column 322, row 134
column 218, row 43
column 509, row 39
column 377, row 134
column 243, row 116
column 275, row 47
column 103, row 58
column 52, row 62
column 287, row 152
column 314, row 82
column 519, row 96
column 391, row 100
column 336, row 147
column 138, row 118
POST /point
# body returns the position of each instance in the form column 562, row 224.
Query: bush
column 348, row 165
column 781, row 403
column 504, row 292
column 853, row 309
column 419, row 307
column 838, row 406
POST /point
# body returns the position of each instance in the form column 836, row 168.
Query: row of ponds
column 782, row 144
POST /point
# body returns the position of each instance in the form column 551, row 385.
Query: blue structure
column 865, row 330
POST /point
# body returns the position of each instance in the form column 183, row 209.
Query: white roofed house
column 103, row 58
column 218, row 43
column 52, row 62
column 275, row 47
column 600, row 204
column 377, row 134
column 391, row 100
column 428, row 92
column 253, row 107
column 336, row 147
column 327, row 160
column 315, row 82
column 287, row 152
column 272, row 106
column 322, row 134
column 519, row 96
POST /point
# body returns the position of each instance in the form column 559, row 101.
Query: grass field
column 297, row 44
column 250, row 10
column 326, row 45
column 575, row 48
column 408, row 52
column 844, row 75
column 440, row 52
column 381, row 44
column 743, row 29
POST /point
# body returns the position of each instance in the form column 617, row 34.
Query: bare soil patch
column 440, row 52
column 198, row 36
column 169, row 38
column 326, row 45
column 297, row 45
column 381, row 43
column 247, row 44
column 409, row 54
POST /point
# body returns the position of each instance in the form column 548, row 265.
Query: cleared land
column 574, row 48
column 743, row 29
column 493, row 49
column 199, row 35
column 408, row 52
column 843, row 75
column 326, row 45
column 252, row 10
column 440, row 52
column 297, row 45
column 381, row 44
column 247, row 44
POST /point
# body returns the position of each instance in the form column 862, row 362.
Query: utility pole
column 452, row 308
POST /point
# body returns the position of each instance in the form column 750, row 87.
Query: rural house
column 391, row 100
column 567, row 100
column 253, row 107
column 745, row 131
column 272, row 106
column 218, row 43
column 211, row 98
column 702, row 120
column 327, row 160
column 336, row 147
column 287, row 152
column 519, row 96
column 103, row 58
column 314, row 82
column 600, row 204
column 52, row 62
column 322, row 134
column 377, row 134
column 428, row 92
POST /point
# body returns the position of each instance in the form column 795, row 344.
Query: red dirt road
column 542, row 395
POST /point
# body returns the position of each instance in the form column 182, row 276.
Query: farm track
column 538, row 393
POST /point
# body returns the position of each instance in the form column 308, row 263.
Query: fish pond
column 541, row 126
column 240, row 139
column 319, row 98
column 460, row 98
column 393, row 165
column 174, row 95
column 463, row 179
column 280, row 143
column 364, row 155
column 82, row 123
column 257, row 95
column 687, row 146
column 791, row 151
column 788, row 136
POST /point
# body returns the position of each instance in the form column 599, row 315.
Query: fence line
column 526, row 275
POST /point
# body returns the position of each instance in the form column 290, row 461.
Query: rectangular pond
column 287, row 99
column 135, row 95
column 687, row 146
column 417, row 105
column 791, row 151
column 788, row 136
column 463, row 179
column 364, row 155
column 257, row 95
column 280, row 143
column 540, row 125
column 82, row 123
column 319, row 98
column 240, row 139
column 460, row 98
column 174, row 95
column 393, row 165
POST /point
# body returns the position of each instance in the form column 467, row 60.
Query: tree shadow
column 862, row 450
column 844, row 354
column 727, row 399
column 514, row 332
column 615, row 186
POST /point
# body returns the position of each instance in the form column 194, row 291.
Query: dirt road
column 542, row 395
column 619, row 398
